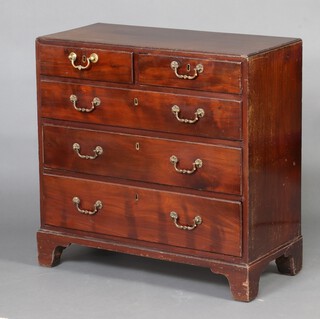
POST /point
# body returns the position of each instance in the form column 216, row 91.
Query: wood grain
column 222, row 118
column 112, row 66
column 226, row 45
column 217, row 76
column 274, row 145
column 220, row 172
column 143, row 214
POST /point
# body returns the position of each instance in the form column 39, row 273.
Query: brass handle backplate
column 97, row 151
column 93, row 58
column 197, row 115
column 96, row 206
column 197, row 70
column 195, row 165
column 95, row 102
column 196, row 221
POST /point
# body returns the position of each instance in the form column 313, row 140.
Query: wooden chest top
column 171, row 39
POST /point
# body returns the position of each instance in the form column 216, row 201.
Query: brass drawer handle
column 196, row 221
column 93, row 58
column 97, row 151
column 196, row 164
column 96, row 206
column 95, row 102
column 197, row 70
column 197, row 115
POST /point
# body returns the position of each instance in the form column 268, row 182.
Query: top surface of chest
column 171, row 39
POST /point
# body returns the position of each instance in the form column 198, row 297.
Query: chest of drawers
column 177, row 145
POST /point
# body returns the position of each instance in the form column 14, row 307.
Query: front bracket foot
column 50, row 248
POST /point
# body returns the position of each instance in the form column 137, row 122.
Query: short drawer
column 143, row 214
column 168, row 162
column 86, row 63
column 190, row 73
column 146, row 110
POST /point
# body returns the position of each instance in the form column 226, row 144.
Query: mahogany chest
column 171, row 144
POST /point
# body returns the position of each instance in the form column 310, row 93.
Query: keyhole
column 137, row 146
column 188, row 67
column 84, row 59
column 135, row 101
column 136, row 197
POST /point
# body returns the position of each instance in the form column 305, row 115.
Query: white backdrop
column 22, row 21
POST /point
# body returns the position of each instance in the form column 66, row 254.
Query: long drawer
column 146, row 110
column 169, row 162
column 143, row 214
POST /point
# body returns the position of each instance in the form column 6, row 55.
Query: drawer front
column 215, row 168
column 215, row 76
column 111, row 66
column 174, row 113
column 143, row 214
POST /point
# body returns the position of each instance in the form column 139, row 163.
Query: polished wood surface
column 170, row 39
column 222, row 118
column 113, row 66
column 220, row 171
column 144, row 214
column 274, row 149
column 217, row 76
column 248, row 190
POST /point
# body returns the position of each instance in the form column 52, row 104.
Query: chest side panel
column 274, row 118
